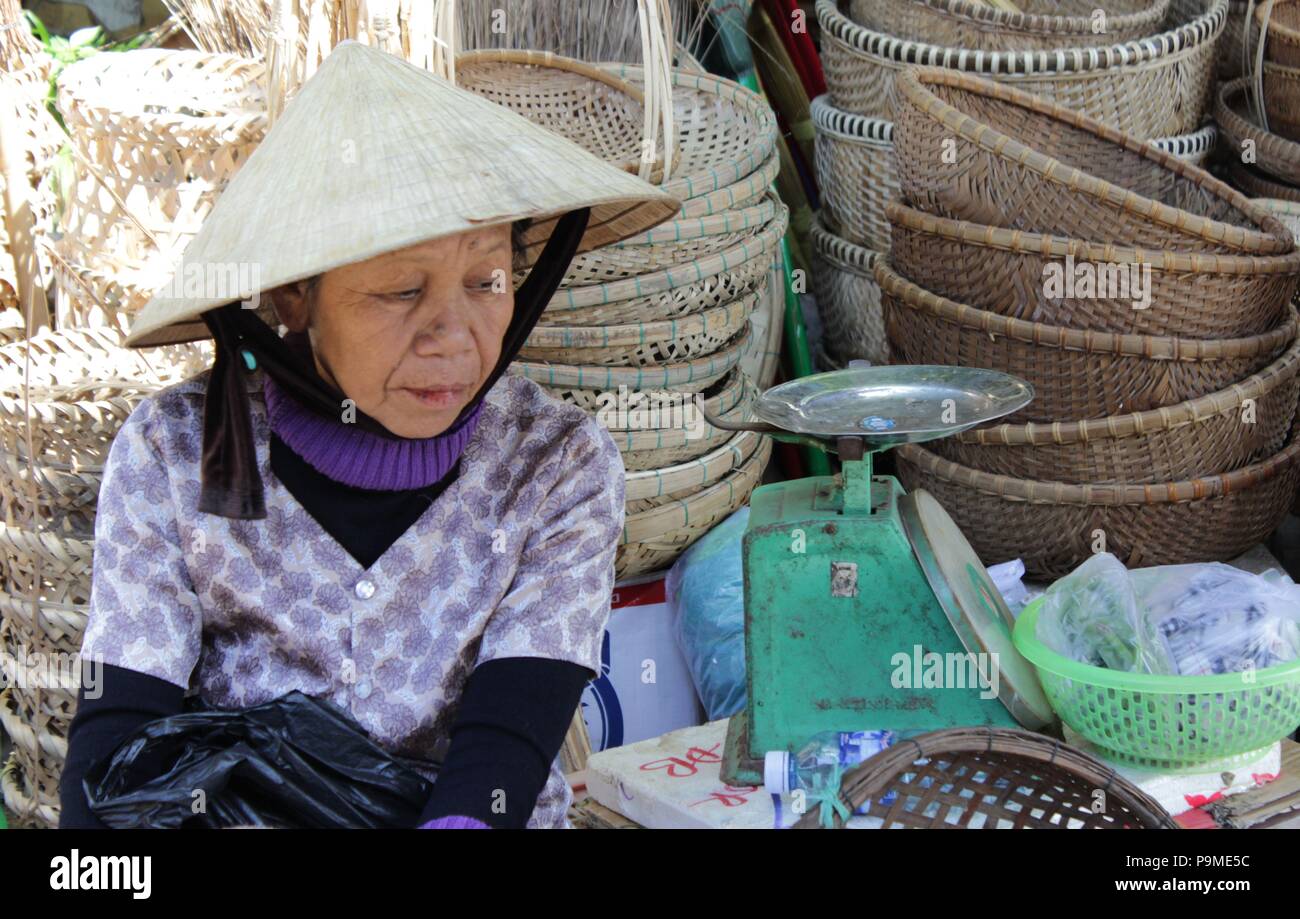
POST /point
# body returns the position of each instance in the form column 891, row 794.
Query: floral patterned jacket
column 514, row 559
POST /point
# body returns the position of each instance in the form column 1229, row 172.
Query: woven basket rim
column 1269, row 236
column 1281, row 206
column 662, row 520
column 78, row 82
column 631, row 333
column 648, row 376
column 1154, row 11
column 1191, row 144
column 547, row 59
column 1021, row 242
column 1152, row 347
column 1165, row 418
column 731, row 388
column 758, row 246
column 869, row 779
column 1167, row 45
column 1288, row 34
column 1273, row 152
column 849, row 126
column 755, row 185
column 1041, row 492
column 1261, row 185
column 718, row 223
column 703, row 470
column 845, row 253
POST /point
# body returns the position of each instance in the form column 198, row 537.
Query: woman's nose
column 444, row 329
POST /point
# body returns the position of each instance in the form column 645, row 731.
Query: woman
column 368, row 509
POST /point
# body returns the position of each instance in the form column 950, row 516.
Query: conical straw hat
column 373, row 155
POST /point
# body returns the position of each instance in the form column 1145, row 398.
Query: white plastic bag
column 1091, row 615
column 1214, row 618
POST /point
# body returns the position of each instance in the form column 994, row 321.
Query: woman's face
column 410, row 336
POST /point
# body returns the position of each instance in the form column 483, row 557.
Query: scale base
column 738, row 767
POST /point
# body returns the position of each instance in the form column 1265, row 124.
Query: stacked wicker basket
column 1165, row 371
column 1259, row 119
column 25, row 70
column 63, row 396
column 1148, row 73
column 155, row 136
column 643, row 330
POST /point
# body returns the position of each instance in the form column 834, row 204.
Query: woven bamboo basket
column 1158, row 86
column 992, row 778
column 28, row 74
column 669, row 293
column 96, row 298
column 725, row 131
column 20, row 797
column 957, row 160
column 1276, row 155
column 745, row 219
column 650, row 488
column 1259, row 185
column 1075, row 374
column 156, row 135
column 741, row 193
column 855, row 166
column 583, row 103
column 1282, row 44
column 77, row 386
column 1194, row 148
column 1040, row 24
column 1054, row 527
column 679, row 437
column 36, row 714
column 645, row 343
column 1287, row 211
column 1235, row 427
column 588, row 386
column 653, row 539
column 1282, row 99
column 618, row 262
column 848, row 298
column 49, row 627
column 48, row 566
column 1159, row 293
column 43, row 694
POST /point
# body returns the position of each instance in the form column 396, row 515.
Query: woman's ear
column 292, row 305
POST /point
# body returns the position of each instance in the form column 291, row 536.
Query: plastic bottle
column 822, row 762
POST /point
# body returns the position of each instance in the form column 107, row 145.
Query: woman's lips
column 439, row 397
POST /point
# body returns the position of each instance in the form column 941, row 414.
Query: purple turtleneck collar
column 354, row 457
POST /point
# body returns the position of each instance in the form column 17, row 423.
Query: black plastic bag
column 293, row 762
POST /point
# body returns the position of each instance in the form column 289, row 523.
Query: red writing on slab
column 729, row 796
column 678, row 768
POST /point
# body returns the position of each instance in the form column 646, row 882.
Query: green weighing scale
column 865, row 607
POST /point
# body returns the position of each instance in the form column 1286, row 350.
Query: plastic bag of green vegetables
column 1092, row 616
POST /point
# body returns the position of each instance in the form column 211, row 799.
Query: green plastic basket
column 1167, row 723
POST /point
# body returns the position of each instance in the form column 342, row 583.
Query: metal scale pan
column 883, row 406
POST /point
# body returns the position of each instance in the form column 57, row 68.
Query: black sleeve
column 125, row 700
column 513, row 716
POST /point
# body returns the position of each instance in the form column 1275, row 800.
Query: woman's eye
column 483, row 286
column 411, row 294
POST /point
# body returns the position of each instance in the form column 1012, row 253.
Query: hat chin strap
column 231, row 485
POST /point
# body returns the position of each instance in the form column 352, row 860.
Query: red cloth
column 799, row 45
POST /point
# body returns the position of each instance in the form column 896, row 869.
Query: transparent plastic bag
column 706, row 591
column 1092, row 616
column 1214, row 618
